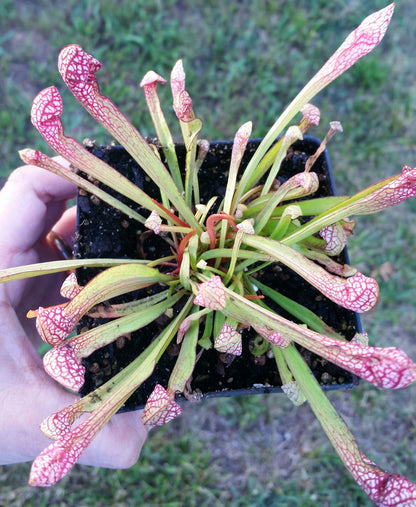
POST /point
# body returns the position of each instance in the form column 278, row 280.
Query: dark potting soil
column 103, row 232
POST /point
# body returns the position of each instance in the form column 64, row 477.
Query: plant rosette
column 204, row 288
column 105, row 232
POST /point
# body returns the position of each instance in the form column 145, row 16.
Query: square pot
column 103, row 232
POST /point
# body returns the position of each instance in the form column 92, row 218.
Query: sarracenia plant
column 212, row 269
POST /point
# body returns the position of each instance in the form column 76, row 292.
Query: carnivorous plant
column 207, row 287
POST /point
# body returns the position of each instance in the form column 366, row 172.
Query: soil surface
column 104, row 232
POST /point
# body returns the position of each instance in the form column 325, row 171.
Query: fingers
column 65, row 227
column 33, row 200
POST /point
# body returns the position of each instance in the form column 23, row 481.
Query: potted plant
column 105, row 232
column 206, row 286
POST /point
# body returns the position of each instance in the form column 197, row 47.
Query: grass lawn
column 244, row 61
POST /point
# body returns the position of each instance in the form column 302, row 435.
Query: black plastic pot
column 104, row 232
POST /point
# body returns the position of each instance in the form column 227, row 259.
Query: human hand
column 33, row 202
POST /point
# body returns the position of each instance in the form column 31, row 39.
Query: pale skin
column 33, row 202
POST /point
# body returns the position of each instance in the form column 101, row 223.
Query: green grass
column 244, row 61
